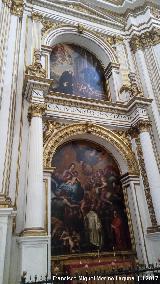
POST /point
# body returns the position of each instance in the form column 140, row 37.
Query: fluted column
column 35, row 192
column 150, row 166
column 137, row 49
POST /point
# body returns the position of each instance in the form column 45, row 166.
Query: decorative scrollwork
column 50, row 127
column 36, row 68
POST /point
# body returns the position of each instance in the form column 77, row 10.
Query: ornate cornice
column 144, row 40
column 17, row 7
column 36, row 68
column 36, row 110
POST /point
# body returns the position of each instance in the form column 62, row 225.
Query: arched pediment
column 121, row 145
column 88, row 40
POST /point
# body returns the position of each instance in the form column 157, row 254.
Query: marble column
column 34, row 241
column 35, row 192
column 151, row 166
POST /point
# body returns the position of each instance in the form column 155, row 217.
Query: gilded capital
column 37, row 17
column 144, row 40
column 143, row 126
column 36, row 68
column 133, row 132
column 36, row 110
column 17, row 8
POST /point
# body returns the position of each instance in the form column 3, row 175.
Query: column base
column 33, row 232
column 33, row 252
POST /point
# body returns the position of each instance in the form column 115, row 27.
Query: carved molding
column 36, row 68
column 146, row 183
column 144, row 40
column 119, row 142
column 107, row 39
column 17, row 7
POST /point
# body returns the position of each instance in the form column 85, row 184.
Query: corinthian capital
column 143, row 126
column 144, row 40
column 17, row 8
column 36, row 110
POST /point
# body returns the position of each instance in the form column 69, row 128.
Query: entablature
column 107, row 113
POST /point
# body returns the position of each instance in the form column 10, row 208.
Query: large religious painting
column 87, row 205
column 75, row 71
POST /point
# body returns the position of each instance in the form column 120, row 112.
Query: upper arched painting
column 76, row 71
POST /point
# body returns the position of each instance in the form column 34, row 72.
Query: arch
column 102, row 50
column 112, row 141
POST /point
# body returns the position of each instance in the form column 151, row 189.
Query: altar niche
column 76, row 71
column 87, row 205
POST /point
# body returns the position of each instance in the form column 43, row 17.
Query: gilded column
column 35, row 192
column 151, row 167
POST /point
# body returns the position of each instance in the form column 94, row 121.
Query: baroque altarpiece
column 79, row 135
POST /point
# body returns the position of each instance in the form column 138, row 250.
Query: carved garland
column 117, row 140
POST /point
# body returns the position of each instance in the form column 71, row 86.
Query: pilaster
column 8, row 90
column 6, row 219
column 113, row 76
